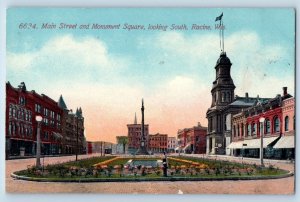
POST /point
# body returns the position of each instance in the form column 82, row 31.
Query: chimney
column 247, row 96
column 199, row 124
column 284, row 91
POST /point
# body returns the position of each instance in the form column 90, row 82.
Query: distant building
column 192, row 140
column 122, row 145
column 172, row 144
column 22, row 106
column 135, row 134
column 158, row 143
column 72, row 129
column 100, row 147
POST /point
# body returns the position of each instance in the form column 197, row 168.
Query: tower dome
column 223, row 59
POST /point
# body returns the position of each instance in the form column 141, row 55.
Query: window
column 9, row 129
column 253, row 129
column 38, row 108
column 10, row 110
column 14, row 112
column 223, row 97
column 248, row 130
column 13, row 128
column 242, row 127
column 286, row 123
column 267, row 126
column 22, row 100
column 238, row 130
column 234, row 132
column 276, row 124
column 228, row 96
column 46, row 136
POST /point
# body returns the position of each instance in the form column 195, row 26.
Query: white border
column 133, row 3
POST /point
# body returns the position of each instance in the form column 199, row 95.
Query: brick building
column 192, row 140
column 135, row 134
column 277, row 129
column 22, row 106
column 158, row 143
column 72, row 129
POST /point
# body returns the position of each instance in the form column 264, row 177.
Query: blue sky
column 107, row 72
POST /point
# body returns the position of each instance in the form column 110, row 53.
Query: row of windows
column 136, row 129
column 252, row 128
column 46, row 112
column 19, row 129
column 226, row 97
column 19, row 113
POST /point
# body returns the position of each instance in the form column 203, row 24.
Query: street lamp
column 38, row 140
column 76, row 116
column 261, row 120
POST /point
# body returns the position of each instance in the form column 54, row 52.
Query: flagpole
column 220, row 35
column 222, row 27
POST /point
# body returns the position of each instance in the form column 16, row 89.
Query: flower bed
column 179, row 168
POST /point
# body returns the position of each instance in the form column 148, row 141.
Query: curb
column 172, row 179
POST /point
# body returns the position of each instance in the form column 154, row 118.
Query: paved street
column 278, row 186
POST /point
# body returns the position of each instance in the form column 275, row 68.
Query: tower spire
column 135, row 119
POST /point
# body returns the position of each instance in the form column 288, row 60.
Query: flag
column 219, row 18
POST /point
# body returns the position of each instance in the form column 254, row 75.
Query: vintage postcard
column 150, row 100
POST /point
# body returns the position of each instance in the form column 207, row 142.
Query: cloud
column 67, row 56
column 255, row 64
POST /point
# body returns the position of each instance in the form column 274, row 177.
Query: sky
column 108, row 72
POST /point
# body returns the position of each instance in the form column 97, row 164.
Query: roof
column 61, row 103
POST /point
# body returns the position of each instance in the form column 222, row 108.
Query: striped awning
column 235, row 145
column 285, row 142
column 255, row 143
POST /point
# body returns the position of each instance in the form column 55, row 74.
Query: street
column 277, row 186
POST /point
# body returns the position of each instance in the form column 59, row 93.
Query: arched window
column 223, row 97
column 234, row 131
column 253, row 128
column 228, row 96
column 276, row 124
column 286, row 123
column 242, row 127
column 267, row 126
column 249, row 130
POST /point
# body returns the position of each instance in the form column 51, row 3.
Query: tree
column 124, row 141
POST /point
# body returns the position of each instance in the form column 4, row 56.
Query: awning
column 285, row 142
column 57, row 135
column 236, row 145
column 177, row 148
column 186, row 146
column 255, row 143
